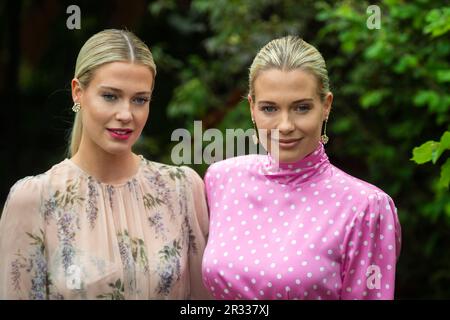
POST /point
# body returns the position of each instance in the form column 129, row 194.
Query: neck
column 106, row 167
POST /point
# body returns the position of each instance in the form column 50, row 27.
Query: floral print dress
column 65, row 235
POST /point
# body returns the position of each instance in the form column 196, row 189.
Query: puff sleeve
column 199, row 224
column 370, row 251
column 23, row 264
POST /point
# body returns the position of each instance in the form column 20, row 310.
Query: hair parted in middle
column 290, row 53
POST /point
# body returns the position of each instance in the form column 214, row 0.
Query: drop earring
column 324, row 138
column 255, row 135
column 76, row 107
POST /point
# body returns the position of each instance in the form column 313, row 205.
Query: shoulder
column 29, row 189
column 362, row 197
column 24, row 189
column 58, row 174
column 172, row 172
column 344, row 183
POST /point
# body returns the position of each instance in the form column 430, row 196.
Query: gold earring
column 76, row 107
column 255, row 135
column 324, row 138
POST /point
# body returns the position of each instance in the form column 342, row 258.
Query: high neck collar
column 297, row 172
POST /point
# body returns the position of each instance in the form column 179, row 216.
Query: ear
column 327, row 105
column 77, row 91
column 252, row 105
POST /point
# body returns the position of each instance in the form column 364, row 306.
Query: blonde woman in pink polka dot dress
column 295, row 226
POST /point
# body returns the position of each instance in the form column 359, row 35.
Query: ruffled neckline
column 298, row 172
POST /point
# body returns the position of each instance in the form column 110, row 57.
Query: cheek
column 308, row 126
column 141, row 117
column 98, row 116
column 95, row 116
column 264, row 121
column 309, row 123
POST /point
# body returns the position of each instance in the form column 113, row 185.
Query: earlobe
column 250, row 102
column 76, row 90
column 328, row 103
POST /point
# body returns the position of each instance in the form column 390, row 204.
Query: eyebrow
column 118, row 90
column 293, row 102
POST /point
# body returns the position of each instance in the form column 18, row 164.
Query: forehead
column 124, row 76
column 273, row 83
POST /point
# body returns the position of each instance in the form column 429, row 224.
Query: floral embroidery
column 133, row 253
column 133, row 187
column 110, row 190
column 62, row 200
column 156, row 221
column 187, row 229
column 164, row 192
column 66, row 236
column 175, row 173
column 151, row 202
column 35, row 265
column 133, row 250
column 169, row 266
column 92, row 209
column 117, row 291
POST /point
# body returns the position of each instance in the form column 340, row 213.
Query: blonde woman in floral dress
column 106, row 223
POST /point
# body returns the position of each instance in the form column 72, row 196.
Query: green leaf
column 444, row 144
column 423, row 153
column 406, row 62
column 375, row 51
column 444, row 180
column 438, row 22
column 373, row 98
column 426, row 97
column 443, row 75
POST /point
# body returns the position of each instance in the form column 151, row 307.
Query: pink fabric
column 305, row 230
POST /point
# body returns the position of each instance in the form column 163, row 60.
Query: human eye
column 302, row 108
column 141, row 100
column 268, row 109
column 109, row 97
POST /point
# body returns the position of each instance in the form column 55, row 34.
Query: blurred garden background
column 389, row 123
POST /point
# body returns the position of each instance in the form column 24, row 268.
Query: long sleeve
column 371, row 250
column 23, row 265
column 199, row 225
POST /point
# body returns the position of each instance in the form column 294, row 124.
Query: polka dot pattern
column 304, row 230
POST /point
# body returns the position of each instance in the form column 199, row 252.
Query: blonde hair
column 290, row 53
column 107, row 46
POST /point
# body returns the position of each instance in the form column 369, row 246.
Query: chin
column 117, row 150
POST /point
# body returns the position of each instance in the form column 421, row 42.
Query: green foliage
column 431, row 151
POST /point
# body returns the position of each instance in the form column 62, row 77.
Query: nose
column 285, row 125
column 124, row 114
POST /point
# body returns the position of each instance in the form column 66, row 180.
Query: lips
column 120, row 133
column 287, row 143
column 120, row 130
column 288, row 140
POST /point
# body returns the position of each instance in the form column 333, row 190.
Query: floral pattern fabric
column 65, row 235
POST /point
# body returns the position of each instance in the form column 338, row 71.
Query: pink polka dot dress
column 303, row 230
